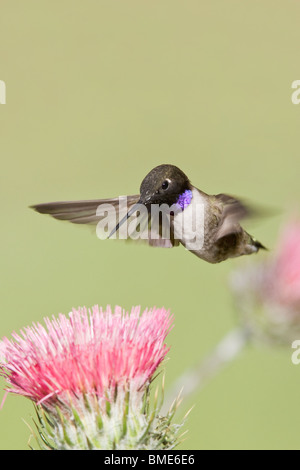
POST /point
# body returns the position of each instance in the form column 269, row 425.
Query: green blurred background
column 98, row 93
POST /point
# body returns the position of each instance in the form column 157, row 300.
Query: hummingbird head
column 163, row 185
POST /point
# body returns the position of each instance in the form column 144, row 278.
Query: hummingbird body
column 208, row 226
column 214, row 249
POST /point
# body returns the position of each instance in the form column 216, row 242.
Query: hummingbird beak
column 129, row 214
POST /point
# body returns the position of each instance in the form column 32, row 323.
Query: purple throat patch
column 185, row 199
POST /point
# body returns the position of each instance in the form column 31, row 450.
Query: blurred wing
column 232, row 211
column 160, row 231
column 140, row 227
column 81, row 212
column 156, row 231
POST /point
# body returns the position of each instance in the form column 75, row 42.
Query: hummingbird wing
column 86, row 213
column 231, row 212
column 160, row 232
column 81, row 212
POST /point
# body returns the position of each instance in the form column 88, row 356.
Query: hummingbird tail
column 253, row 245
column 258, row 245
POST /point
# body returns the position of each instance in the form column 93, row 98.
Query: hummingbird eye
column 165, row 185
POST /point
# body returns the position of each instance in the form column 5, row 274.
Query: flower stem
column 196, row 377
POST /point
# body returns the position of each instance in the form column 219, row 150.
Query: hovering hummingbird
column 218, row 220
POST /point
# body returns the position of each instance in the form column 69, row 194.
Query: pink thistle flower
column 283, row 276
column 91, row 351
column 268, row 293
column 89, row 367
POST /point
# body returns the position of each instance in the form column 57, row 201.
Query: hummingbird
column 217, row 225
